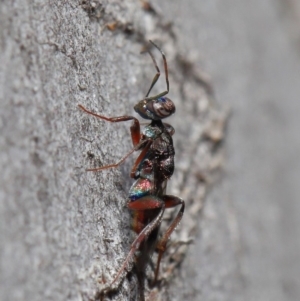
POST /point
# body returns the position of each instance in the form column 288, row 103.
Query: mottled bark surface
column 65, row 232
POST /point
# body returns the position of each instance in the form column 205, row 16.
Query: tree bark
column 65, row 231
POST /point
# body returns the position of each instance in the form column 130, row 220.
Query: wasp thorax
column 155, row 109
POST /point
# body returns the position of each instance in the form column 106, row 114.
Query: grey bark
column 64, row 232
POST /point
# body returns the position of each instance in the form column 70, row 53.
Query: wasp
column 154, row 166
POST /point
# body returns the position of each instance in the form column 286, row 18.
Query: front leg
column 135, row 136
column 135, row 128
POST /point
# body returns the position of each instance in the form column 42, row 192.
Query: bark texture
column 65, row 232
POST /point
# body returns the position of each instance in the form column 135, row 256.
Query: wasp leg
column 170, row 202
column 138, row 146
column 135, row 128
column 140, row 158
column 144, row 203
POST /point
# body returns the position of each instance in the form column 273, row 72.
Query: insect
column 152, row 169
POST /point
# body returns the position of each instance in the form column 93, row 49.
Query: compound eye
column 160, row 110
column 163, row 107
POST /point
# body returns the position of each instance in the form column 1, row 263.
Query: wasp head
column 155, row 109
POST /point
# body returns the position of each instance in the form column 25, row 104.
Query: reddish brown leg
column 135, row 136
column 140, row 158
column 170, row 202
column 138, row 146
column 134, row 129
column 144, row 203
